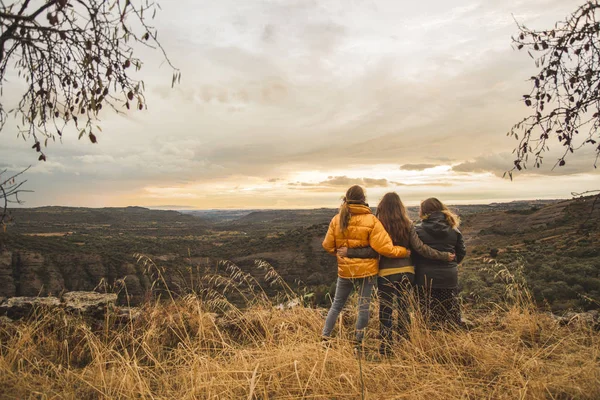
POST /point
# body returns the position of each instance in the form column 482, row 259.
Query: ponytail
column 354, row 195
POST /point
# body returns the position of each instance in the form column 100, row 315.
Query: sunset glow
column 284, row 105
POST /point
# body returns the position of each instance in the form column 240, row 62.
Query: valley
column 550, row 245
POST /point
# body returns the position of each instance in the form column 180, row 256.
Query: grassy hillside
column 184, row 350
column 555, row 248
column 109, row 220
column 554, row 244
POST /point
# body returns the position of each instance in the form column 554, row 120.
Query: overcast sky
column 286, row 103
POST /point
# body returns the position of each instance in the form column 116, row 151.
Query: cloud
column 96, row 159
column 335, row 183
column 416, row 167
column 275, row 88
column 344, row 181
column 498, row 163
column 493, row 163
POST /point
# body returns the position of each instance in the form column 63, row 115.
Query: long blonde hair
column 432, row 205
column 354, row 195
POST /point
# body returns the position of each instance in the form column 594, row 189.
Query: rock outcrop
column 30, row 273
column 589, row 318
column 87, row 304
column 90, row 304
column 19, row 307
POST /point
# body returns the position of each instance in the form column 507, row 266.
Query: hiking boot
column 385, row 350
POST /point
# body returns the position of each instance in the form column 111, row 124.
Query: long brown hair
column 392, row 214
column 354, row 195
column 432, row 205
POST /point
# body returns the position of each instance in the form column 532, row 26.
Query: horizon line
column 174, row 207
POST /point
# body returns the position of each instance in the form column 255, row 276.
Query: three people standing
column 436, row 245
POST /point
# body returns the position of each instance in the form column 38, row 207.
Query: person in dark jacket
column 437, row 280
column 396, row 275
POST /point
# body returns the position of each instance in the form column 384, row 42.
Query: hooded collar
column 359, row 209
column 437, row 224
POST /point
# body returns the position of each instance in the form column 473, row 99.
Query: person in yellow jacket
column 356, row 226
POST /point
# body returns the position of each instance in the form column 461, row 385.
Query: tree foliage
column 76, row 58
column 565, row 96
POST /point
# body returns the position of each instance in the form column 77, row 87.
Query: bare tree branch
column 76, row 58
column 565, row 95
column 10, row 188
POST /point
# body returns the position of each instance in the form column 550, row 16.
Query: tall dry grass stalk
column 182, row 349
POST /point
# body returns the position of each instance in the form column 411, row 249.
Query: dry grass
column 181, row 349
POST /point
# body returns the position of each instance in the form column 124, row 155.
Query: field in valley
column 553, row 244
column 224, row 330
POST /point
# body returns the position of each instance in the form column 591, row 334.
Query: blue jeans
column 343, row 288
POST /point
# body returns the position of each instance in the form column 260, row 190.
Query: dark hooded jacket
column 436, row 232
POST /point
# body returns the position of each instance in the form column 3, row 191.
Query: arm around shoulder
column 362, row 252
column 381, row 242
column 426, row 251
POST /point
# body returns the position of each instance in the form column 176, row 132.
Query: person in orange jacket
column 356, row 226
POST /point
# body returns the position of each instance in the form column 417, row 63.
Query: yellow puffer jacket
column 364, row 229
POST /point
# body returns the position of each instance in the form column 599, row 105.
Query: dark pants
column 439, row 307
column 394, row 291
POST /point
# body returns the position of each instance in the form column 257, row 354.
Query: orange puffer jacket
column 364, row 229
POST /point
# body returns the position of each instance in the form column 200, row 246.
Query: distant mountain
column 278, row 219
column 50, row 249
column 59, row 219
column 216, row 216
column 301, row 217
